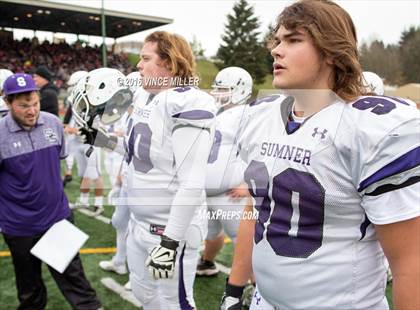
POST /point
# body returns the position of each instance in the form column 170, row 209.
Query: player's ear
column 167, row 65
column 329, row 60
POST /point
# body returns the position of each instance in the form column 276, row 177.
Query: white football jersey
column 318, row 188
column 3, row 107
column 140, row 98
column 151, row 176
column 225, row 167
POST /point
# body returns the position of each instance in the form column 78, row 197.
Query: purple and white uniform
column 318, row 187
column 225, row 171
column 168, row 147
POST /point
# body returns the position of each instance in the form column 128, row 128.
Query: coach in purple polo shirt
column 32, row 197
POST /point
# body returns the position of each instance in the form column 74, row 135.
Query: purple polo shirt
column 32, row 197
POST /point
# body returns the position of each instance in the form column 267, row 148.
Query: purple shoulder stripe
column 403, row 163
column 270, row 98
column 397, row 99
column 194, row 115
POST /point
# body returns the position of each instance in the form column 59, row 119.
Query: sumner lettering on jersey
column 284, row 151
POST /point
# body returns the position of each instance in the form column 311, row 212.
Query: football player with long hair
column 168, row 144
column 334, row 175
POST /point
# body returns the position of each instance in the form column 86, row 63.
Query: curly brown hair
column 334, row 35
column 176, row 50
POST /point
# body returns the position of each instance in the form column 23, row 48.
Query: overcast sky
column 374, row 19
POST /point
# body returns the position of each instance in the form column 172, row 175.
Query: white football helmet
column 3, row 108
column 133, row 81
column 103, row 93
column 232, row 85
column 4, row 74
column 75, row 77
column 373, row 83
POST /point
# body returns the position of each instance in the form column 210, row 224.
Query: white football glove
column 232, row 297
column 230, row 303
column 161, row 260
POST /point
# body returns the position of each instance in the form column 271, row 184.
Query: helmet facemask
column 232, row 86
column 103, row 99
column 222, row 94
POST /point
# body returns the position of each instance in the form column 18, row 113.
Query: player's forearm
column 406, row 278
column 242, row 259
column 404, row 260
column 405, row 290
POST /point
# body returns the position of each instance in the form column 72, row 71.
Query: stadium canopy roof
column 59, row 17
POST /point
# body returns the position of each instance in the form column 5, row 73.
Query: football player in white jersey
column 101, row 92
column 168, row 147
column 4, row 74
column 373, row 83
column 117, row 196
column 232, row 87
column 334, row 177
column 72, row 143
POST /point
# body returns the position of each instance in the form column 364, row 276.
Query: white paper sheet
column 59, row 245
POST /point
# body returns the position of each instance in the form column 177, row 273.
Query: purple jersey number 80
column 214, row 152
column 141, row 136
column 289, row 236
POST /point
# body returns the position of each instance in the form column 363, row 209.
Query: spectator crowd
column 63, row 59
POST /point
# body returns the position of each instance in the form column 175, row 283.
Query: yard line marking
column 82, row 251
column 227, row 240
column 97, row 250
column 109, row 250
column 4, row 253
column 117, row 288
column 97, row 217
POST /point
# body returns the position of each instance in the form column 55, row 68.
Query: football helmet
column 373, row 83
column 101, row 94
column 4, row 74
column 3, row 108
column 75, row 77
column 232, row 85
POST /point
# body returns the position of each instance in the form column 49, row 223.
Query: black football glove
column 98, row 138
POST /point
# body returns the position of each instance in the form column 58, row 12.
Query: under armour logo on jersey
column 317, row 132
column 17, row 144
column 258, row 299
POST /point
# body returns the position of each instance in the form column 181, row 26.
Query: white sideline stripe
column 222, row 268
column 117, row 288
column 91, row 214
column 98, row 217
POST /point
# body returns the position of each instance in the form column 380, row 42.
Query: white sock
column 84, row 198
column 99, row 201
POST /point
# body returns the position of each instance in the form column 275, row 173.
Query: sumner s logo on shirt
column 50, row 135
